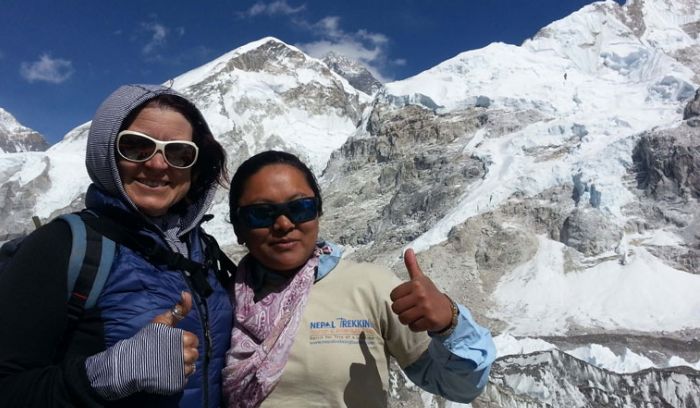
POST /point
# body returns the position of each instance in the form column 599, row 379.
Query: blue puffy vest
column 137, row 291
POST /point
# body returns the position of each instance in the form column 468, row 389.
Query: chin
column 152, row 211
column 284, row 266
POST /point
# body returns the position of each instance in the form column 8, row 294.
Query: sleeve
column 33, row 320
column 457, row 366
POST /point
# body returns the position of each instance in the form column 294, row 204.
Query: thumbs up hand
column 189, row 341
column 148, row 361
column 418, row 303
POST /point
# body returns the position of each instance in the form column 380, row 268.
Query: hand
column 189, row 341
column 418, row 303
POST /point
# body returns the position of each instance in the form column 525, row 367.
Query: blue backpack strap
column 88, row 266
column 108, row 249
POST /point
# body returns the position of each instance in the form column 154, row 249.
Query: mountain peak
column 15, row 137
column 265, row 42
column 357, row 74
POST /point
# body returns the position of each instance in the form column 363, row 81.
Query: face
column 154, row 186
column 284, row 246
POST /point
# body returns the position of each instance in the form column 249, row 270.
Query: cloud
column 47, row 69
column 275, row 8
column 368, row 48
column 158, row 37
column 155, row 36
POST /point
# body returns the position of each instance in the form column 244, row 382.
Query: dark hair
column 257, row 162
column 210, row 167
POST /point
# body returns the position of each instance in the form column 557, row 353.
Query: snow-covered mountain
column 264, row 95
column 14, row 137
column 552, row 187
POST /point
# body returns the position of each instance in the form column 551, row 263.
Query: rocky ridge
column 357, row 74
column 14, row 137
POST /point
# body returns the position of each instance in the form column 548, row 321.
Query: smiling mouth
column 284, row 244
column 153, row 183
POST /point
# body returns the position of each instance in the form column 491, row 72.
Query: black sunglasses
column 264, row 215
column 138, row 147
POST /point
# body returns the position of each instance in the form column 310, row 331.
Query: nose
column 283, row 224
column 157, row 162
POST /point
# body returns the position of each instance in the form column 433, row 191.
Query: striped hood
column 101, row 160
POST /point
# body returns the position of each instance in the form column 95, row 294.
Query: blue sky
column 59, row 59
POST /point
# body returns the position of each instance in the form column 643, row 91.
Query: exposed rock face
column 692, row 110
column 30, row 142
column 403, row 175
column 667, row 171
column 586, row 385
column 358, row 76
column 15, row 203
column 556, row 379
column 668, row 165
column 590, row 232
column 476, row 255
column 276, row 58
column 15, row 137
column 17, row 200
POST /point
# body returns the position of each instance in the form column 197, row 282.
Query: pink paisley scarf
column 263, row 334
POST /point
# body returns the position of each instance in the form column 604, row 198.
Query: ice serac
column 14, row 137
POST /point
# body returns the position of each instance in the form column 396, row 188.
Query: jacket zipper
column 203, row 311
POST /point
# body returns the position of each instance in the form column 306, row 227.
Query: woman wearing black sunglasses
column 154, row 166
column 311, row 329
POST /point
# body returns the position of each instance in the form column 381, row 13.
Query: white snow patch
column 507, row 345
column 603, row 357
column 539, row 298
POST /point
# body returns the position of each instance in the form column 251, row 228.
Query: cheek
column 310, row 230
column 126, row 170
column 185, row 175
column 253, row 238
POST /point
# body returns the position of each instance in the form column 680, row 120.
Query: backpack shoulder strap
column 222, row 264
column 88, row 266
column 150, row 248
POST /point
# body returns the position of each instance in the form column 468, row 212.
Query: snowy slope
column 265, row 95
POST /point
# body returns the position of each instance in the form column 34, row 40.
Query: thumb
column 409, row 259
column 178, row 312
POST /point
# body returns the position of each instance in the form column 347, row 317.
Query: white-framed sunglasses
column 138, row 147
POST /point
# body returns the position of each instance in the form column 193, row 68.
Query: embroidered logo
column 341, row 330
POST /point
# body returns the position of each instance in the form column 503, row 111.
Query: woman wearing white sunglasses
column 158, row 333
